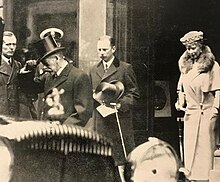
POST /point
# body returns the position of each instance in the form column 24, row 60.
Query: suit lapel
column 5, row 68
column 112, row 69
column 11, row 72
column 100, row 69
column 14, row 72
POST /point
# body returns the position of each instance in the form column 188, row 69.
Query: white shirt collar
column 109, row 62
column 61, row 69
column 5, row 59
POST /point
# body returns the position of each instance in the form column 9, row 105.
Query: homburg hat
column 109, row 92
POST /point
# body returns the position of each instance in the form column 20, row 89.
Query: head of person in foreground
column 152, row 161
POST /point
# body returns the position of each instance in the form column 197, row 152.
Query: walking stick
column 180, row 120
column 119, row 128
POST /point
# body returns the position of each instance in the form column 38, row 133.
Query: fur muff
column 205, row 62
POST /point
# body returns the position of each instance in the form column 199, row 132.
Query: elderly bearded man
column 76, row 97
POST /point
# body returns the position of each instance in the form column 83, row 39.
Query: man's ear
column 43, row 62
column 57, row 57
column 113, row 49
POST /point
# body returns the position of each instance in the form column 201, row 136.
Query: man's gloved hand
column 31, row 64
column 117, row 105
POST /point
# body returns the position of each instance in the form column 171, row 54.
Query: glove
column 31, row 64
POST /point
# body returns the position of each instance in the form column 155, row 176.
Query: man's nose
column 101, row 52
column 12, row 47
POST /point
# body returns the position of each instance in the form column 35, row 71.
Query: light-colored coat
column 200, row 81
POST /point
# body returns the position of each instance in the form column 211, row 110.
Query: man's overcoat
column 76, row 99
column 107, row 126
column 13, row 101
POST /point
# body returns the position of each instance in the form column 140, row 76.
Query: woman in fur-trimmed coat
column 200, row 83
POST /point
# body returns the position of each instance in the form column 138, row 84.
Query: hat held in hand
column 47, row 46
column 108, row 92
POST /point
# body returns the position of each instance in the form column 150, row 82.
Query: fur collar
column 205, row 62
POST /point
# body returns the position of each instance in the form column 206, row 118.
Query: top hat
column 108, row 92
column 191, row 37
column 47, row 46
column 55, row 32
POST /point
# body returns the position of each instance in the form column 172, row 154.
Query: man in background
column 108, row 69
column 13, row 98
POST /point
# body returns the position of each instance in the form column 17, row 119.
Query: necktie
column 106, row 67
column 10, row 62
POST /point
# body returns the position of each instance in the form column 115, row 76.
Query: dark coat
column 13, row 101
column 107, row 126
column 77, row 96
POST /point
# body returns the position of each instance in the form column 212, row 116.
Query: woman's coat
column 199, row 120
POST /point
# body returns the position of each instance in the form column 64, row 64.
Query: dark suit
column 107, row 126
column 13, row 101
column 77, row 96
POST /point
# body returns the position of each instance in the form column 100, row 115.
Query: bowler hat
column 47, row 46
column 108, row 92
column 55, row 32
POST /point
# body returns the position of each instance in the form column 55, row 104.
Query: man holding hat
column 199, row 87
column 72, row 85
column 110, row 72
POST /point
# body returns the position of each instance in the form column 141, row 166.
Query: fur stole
column 205, row 62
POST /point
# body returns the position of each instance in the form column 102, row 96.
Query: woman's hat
column 55, row 32
column 191, row 37
column 108, row 92
column 47, row 46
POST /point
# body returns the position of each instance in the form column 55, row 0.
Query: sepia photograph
column 109, row 91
